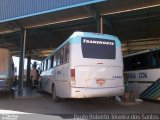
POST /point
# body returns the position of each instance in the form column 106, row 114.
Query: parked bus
column 86, row 65
column 143, row 73
column 6, row 70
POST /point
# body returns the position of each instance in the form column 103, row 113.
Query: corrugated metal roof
column 16, row 9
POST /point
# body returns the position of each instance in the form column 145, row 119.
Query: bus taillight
column 72, row 72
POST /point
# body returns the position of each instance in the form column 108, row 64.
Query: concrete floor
column 43, row 105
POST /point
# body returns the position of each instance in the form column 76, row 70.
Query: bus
column 6, row 70
column 142, row 70
column 86, row 65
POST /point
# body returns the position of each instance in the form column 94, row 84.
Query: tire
column 54, row 96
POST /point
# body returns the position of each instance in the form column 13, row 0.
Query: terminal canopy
column 50, row 24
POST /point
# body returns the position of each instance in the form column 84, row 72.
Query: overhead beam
column 116, row 6
column 13, row 26
column 94, row 12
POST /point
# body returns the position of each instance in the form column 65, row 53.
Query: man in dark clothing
column 15, row 83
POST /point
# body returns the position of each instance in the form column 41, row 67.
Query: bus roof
column 141, row 52
column 83, row 34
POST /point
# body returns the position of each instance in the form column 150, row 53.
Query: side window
column 130, row 63
column 142, row 61
column 158, row 58
column 139, row 62
column 127, row 64
column 61, row 56
column 51, row 59
column 46, row 65
column 57, row 58
column 12, row 67
column 49, row 63
column 41, row 66
column 54, row 60
column 133, row 62
column 152, row 60
column 66, row 53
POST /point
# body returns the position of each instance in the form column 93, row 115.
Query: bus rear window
column 98, row 48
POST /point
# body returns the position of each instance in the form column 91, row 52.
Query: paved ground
column 44, row 105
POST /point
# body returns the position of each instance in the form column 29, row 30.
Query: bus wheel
column 54, row 96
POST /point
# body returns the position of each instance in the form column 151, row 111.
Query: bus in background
column 6, row 70
column 86, row 65
column 143, row 73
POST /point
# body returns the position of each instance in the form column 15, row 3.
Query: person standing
column 33, row 74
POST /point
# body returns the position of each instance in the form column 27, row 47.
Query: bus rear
column 96, row 66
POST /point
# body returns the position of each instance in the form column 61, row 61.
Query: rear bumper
column 96, row 92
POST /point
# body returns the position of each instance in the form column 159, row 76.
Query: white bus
column 6, row 70
column 86, row 65
column 143, row 73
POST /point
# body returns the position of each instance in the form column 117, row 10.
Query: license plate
column 100, row 81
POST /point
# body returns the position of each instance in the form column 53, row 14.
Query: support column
column 21, row 62
column 101, row 24
column 28, row 69
column 99, row 20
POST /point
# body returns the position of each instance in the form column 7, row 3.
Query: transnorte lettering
column 97, row 42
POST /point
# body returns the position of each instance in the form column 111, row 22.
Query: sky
column 16, row 63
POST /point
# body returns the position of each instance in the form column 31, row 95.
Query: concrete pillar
column 28, row 69
column 99, row 24
column 21, row 62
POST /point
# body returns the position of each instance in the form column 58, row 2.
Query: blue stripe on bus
column 148, row 90
column 74, row 39
column 152, row 91
column 155, row 93
column 78, row 35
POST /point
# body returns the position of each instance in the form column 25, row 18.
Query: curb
column 137, row 102
column 27, row 97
